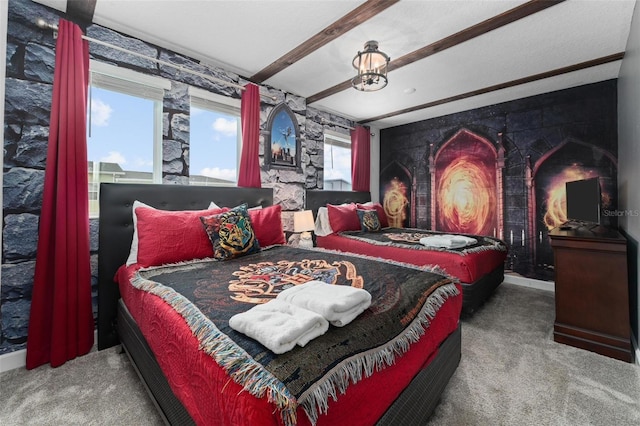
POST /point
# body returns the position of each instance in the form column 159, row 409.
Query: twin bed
column 388, row 366
column 479, row 267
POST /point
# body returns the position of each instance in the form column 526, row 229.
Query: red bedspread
column 467, row 268
column 212, row 398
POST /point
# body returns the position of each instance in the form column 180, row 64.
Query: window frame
column 339, row 140
column 132, row 83
column 204, row 99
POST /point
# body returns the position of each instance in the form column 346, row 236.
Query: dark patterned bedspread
column 208, row 293
column 410, row 238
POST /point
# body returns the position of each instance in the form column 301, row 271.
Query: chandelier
column 372, row 68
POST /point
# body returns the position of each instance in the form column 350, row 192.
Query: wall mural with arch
column 466, row 181
column 571, row 160
column 500, row 170
column 397, row 195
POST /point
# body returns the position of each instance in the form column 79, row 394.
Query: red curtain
column 61, row 319
column 249, row 175
column 360, row 158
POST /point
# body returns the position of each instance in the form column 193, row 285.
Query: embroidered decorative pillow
column 231, row 233
column 369, row 221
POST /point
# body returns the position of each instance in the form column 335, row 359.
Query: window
column 214, row 140
column 337, row 162
column 124, row 141
column 93, row 190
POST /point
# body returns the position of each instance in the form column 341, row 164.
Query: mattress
column 321, row 382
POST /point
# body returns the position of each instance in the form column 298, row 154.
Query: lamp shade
column 303, row 221
column 372, row 66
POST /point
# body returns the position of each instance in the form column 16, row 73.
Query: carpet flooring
column 511, row 373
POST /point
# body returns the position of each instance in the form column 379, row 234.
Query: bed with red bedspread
column 478, row 266
column 171, row 315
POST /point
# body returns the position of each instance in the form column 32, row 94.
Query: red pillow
column 172, row 236
column 267, row 225
column 343, row 217
column 384, row 222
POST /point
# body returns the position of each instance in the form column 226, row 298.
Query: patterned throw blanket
column 410, row 238
column 207, row 293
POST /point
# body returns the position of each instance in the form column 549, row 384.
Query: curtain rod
column 46, row 25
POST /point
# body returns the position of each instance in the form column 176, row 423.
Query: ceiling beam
column 553, row 73
column 81, row 9
column 349, row 21
column 477, row 30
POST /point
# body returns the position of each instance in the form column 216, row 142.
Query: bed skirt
column 475, row 294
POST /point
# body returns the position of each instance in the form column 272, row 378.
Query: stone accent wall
column 30, row 62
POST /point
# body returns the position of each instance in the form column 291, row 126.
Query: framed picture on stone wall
column 282, row 141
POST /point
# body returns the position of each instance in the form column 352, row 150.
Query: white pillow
column 213, row 205
column 133, row 252
column 323, row 228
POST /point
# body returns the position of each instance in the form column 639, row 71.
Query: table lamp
column 303, row 223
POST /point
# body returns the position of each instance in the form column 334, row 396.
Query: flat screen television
column 583, row 201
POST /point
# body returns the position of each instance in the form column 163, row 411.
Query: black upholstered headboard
column 320, row 198
column 116, row 231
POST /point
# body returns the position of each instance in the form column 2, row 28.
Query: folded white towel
column 447, row 241
column 339, row 304
column 279, row 325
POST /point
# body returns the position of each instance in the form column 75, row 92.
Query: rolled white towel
column 339, row 304
column 279, row 325
column 464, row 239
column 437, row 240
column 447, row 241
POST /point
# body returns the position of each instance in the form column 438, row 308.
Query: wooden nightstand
column 592, row 290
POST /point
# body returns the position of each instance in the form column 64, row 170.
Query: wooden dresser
column 592, row 291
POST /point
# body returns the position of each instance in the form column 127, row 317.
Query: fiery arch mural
column 571, row 160
column 395, row 202
column 554, row 206
column 466, row 186
column 465, row 196
column 530, row 147
column 396, row 195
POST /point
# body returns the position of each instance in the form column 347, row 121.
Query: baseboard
column 13, row 360
column 18, row 359
column 529, row 282
column 635, row 345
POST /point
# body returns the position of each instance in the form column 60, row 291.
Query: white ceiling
column 245, row 36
